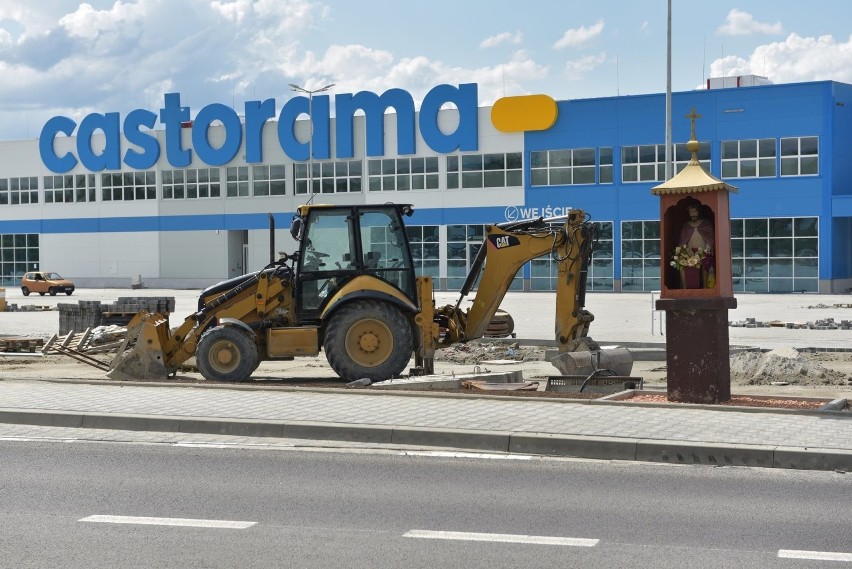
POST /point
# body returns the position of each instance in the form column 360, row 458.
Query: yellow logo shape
column 524, row 113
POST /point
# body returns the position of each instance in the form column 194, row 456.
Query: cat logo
column 503, row 241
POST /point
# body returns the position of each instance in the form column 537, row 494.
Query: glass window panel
column 806, row 285
column 629, row 155
column 781, row 268
column 584, row 157
column 560, row 158
column 602, row 267
column 452, row 163
column 471, row 162
column 432, row 182
column 514, row 161
column 756, row 248
column 781, row 227
column 631, row 268
column 756, row 267
column 374, row 167
column 651, row 229
column 729, row 149
column 789, row 166
column 737, row 268
column 748, row 149
column 452, row 181
column 538, row 159
column 456, row 232
column 806, row 267
column 403, row 183
column 766, row 147
column 605, row 155
column 808, row 145
column 766, row 167
column 729, row 169
column 789, row 147
column 805, row 226
column 805, row 247
column 539, row 177
column 584, row 175
column 355, row 168
column 780, row 285
column 494, row 161
column 631, row 249
column 560, row 176
column 629, row 174
column 647, row 154
column 495, row 179
column 606, row 174
column 809, row 165
column 456, row 251
column 647, row 173
column 736, row 247
column 475, row 232
column 341, row 169
column 418, row 182
column 514, row 178
column 631, row 230
column 748, row 168
column 652, row 248
column 388, row 183
column 756, row 227
column 472, row 180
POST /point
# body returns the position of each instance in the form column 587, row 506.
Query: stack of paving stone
column 93, row 313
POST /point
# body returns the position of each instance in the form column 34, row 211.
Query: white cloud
column 743, row 24
column 88, row 23
column 795, row 59
column 574, row 69
column 505, row 37
column 578, row 36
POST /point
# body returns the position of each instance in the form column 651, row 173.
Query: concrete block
column 689, row 452
column 579, row 446
column 801, row 458
column 491, row 441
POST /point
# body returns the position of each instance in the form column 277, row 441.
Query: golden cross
column 692, row 116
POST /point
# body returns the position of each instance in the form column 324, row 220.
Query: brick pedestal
column 697, row 349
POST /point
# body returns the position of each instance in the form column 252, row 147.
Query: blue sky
column 63, row 57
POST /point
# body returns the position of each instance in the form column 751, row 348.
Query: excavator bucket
column 141, row 354
column 586, row 362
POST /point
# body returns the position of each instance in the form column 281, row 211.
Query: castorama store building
column 182, row 198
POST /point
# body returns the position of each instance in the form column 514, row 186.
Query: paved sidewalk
column 601, row 430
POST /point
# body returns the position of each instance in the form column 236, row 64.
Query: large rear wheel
column 226, row 353
column 367, row 339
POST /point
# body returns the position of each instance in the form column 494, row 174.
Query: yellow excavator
column 351, row 290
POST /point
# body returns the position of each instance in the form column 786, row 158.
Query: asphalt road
column 72, row 504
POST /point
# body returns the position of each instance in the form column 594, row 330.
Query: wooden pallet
column 76, row 345
column 19, row 345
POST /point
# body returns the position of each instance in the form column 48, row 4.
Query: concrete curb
column 544, row 444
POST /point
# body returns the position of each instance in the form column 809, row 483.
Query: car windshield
column 52, row 276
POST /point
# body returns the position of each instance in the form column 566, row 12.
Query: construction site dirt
column 779, row 361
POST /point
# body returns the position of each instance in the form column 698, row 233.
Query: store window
column 572, row 166
column 647, row 162
column 200, row 183
column 15, row 191
column 473, row 171
column 269, row 180
column 329, row 177
column 800, row 156
column 640, row 256
column 425, row 250
column 237, row 182
column 403, row 174
column 70, row 188
column 129, row 186
column 753, row 158
column 605, row 165
column 778, row 254
column 18, row 254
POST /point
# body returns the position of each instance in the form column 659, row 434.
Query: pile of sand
column 781, row 365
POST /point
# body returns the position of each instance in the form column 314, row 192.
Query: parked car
column 42, row 282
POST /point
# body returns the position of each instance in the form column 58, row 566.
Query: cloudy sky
column 64, row 57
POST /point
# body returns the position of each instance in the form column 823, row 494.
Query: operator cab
column 340, row 243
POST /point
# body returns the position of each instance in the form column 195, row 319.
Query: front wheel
column 68, row 292
column 52, row 291
column 226, row 353
column 367, row 339
column 25, row 291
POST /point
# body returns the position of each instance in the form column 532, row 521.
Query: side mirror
column 297, row 228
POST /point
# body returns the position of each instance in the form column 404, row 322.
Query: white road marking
column 185, row 522
column 502, row 537
column 817, row 555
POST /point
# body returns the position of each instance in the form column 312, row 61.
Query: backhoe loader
column 351, row 290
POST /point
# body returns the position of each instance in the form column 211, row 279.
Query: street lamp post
column 310, row 93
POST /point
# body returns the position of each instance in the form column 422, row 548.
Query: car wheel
column 25, row 291
column 68, row 292
column 52, row 291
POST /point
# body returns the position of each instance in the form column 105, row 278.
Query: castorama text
column 139, row 123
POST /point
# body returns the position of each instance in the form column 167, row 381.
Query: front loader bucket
column 617, row 359
column 141, row 354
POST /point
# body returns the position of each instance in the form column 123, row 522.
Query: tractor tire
column 226, row 353
column 368, row 339
column 25, row 291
